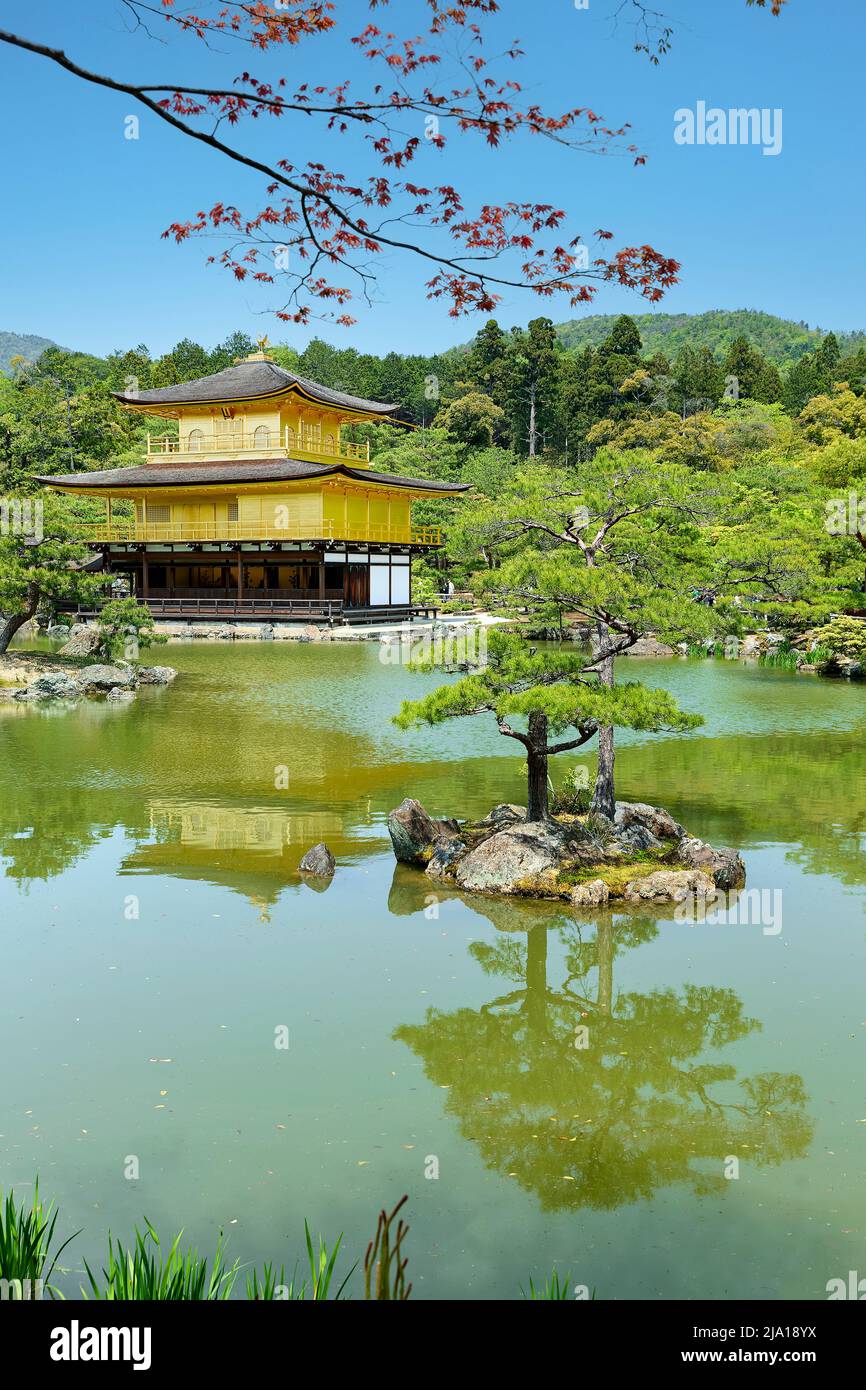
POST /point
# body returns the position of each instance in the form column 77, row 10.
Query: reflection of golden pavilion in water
column 251, row 849
column 216, row 826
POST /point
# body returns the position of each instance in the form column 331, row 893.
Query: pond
column 157, row 943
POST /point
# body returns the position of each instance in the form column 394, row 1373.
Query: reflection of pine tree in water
column 631, row 1113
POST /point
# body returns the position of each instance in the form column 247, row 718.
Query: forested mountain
column 20, row 345
column 780, row 340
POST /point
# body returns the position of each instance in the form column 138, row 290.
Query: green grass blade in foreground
column 322, row 1266
column 26, row 1240
column 143, row 1273
column 553, row 1288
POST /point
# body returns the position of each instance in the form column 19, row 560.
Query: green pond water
column 155, row 935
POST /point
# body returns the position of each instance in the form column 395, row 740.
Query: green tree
column 828, row 417
column 46, row 427
column 578, row 403
column 226, row 353
column 555, row 691
column 471, row 419
column 829, row 355
column 623, row 340
column 39, row 562
column 698, row 381
column 748, row 373
column 611, row 382
column 73, row 370
column 619, row 544
column 125, row 626
column 190, row 360
column 533, row 386
column 485, row 364
column 636, row 546
column 844, row 636
column 130, row 370
column 696, row 440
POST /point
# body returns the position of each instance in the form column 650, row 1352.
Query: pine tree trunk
column 604, row 793
column 536, row 758
column 12, row 625
column 533, row 431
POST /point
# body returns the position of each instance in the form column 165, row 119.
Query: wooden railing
column 243, row 607
column 262, row 442
column 330, row 609
column 168, row 531
column 252, row 595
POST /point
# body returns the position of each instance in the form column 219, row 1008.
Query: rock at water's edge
column 52, row 685
column 318, row 861
column 83, row 641
column 669, row 886
column 505, row 854
column 592, row 894
column 445, row 857
column 659, row 822
column 649, row 646
column 725, row 866
column 106, row 678
column 523, row 858
column 414, row 834
column 156, row 675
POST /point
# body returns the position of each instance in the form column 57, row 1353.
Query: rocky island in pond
column 77, row 671
column 642, row 855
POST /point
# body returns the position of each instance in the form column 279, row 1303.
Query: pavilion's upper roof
column 255, row 378
column 163, row 475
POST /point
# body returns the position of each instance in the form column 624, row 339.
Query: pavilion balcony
column 97, row 533
column 261, row 443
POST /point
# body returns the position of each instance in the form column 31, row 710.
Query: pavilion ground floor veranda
column 251, row 580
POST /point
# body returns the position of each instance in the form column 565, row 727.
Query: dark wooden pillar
column 145, row 575
column 240, row 574
column 322, row 568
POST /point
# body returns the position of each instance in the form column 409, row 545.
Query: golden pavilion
column 259, row 507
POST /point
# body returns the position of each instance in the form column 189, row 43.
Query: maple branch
column 332, row 214
column 139, row 93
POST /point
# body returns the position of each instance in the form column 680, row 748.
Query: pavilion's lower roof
column 162, row 475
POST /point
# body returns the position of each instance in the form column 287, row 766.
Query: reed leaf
column 26, row 1241
column 142, row 1272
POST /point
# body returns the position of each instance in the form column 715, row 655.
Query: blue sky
column 82, row 262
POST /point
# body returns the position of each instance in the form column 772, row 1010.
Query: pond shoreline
column 44, row 677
